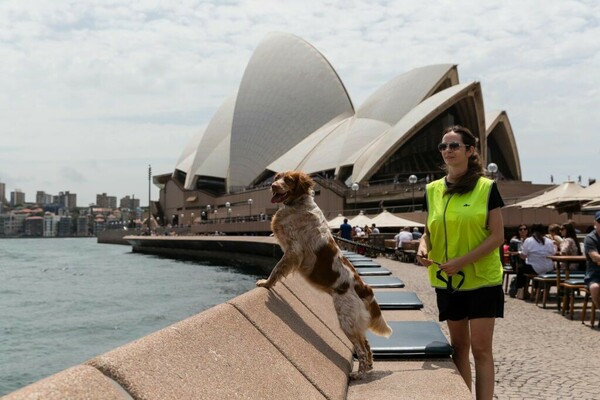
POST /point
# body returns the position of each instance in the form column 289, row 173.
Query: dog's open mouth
column 279, row 197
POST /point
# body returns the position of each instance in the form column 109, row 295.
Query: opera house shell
column 292, row 111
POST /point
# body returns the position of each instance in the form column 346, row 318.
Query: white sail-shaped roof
column 385, row 107
column 392, row 139
column 212, row 153
column 288, row 91
column 397, row 97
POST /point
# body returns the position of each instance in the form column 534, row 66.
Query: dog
column 310, row 249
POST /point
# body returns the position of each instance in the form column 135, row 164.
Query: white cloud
column 94, row 91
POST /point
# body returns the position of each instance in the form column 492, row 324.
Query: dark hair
column 570, row 233
column 537, row 232
column 467, row 182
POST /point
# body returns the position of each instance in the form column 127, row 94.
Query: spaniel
column 309, row 249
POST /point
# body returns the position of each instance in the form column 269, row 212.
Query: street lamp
column 227, row 205
column 250, row 206
column 412, row 180
column 355, row 189
column 492, row 169
column 192, row 221
column 181, row 220
column 208, row 212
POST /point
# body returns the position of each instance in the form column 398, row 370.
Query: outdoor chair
column 584, row 309
column 546, row 281
column 570, row 288
column 507, row 271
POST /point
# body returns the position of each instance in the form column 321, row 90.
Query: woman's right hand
column 423, row 260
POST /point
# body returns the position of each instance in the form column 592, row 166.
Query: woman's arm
column 423, row 250
column 492, row 242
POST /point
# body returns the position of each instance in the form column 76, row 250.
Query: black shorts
column 592, row 276
column 487, row 302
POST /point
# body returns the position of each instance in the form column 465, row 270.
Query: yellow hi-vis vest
column 457, row 224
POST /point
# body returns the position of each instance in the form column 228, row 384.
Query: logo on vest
column 466, row 205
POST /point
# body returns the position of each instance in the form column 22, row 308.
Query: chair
column 584, row 309
column 546, row 281
column 570, row 286
column 507, row 271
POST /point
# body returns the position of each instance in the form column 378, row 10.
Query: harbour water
column 64, row 301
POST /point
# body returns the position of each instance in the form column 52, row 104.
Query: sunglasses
column 522, row 229
column 452, row 145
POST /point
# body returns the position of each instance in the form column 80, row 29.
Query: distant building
column 3, row 193
column 129, row 202
column 42, row 198
column 50, row 224
column 17, row 198
column 82, row 226
column 67, row 200
column 104, row 201
column 13, row 224
column 65, row 227
column 34, row 226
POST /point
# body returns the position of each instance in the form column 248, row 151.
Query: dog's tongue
column 278, row 197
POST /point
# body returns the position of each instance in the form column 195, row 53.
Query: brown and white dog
column 309, row 248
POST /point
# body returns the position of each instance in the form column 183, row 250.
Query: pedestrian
column 346, row 230
column 591, row 247
column 460, row 247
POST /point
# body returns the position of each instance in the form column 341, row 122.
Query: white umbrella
column 388, row 220
column 336, row 222
column 592, row 191
column 360, row 220
column 566, row 197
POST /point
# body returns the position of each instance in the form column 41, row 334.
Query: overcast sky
column 91, row 92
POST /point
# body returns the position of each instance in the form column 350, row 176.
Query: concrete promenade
column 539, row 354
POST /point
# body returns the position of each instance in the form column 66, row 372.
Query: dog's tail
column 378, row 325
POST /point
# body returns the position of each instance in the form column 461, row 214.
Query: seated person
column 569, row 246
column 403, row 236
column 416, row 234
column 592, row 256
column 535, row 252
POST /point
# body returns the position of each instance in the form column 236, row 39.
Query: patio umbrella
column 360, row 220
column 566, row 197
column 336, row 222
column 592, row 191
column 388, row 220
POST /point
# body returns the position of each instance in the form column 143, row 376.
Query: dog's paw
column 262, row 283
column 356, row 376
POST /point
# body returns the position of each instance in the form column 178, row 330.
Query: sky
column 92, row 92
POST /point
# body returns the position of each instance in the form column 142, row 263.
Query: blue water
column 64, row 301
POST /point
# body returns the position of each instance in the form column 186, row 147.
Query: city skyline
column 95, row 93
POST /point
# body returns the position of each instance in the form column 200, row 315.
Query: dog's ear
column 304, row 183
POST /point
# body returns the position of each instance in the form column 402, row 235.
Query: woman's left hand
column 451, row 267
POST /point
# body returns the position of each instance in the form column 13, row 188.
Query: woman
column 535, row 252
column 460, row 247
column 569, row 246
column 554, row 234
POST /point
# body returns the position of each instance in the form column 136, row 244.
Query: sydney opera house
column 292, row 111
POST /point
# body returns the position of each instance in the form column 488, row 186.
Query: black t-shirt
column 495, row 200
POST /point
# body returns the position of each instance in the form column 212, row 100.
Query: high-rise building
column 129, row 202
column 42, row 198
column 104, row 201
column 2, row 193
column 17, row 198
column 67, row 200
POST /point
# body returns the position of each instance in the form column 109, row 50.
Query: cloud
column 99, row 81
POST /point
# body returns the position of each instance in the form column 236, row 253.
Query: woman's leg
column 482, row 334
column 461, row 342
column 523, row 269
